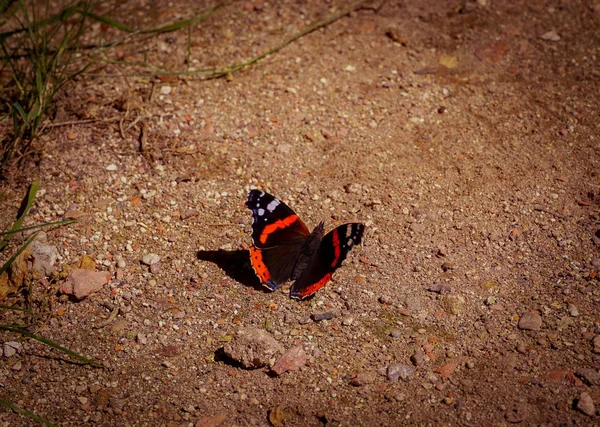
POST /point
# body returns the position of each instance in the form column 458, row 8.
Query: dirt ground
column 465, row 136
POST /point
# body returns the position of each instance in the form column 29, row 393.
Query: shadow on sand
column 235, row 264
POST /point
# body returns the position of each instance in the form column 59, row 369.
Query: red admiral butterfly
column 283, row 249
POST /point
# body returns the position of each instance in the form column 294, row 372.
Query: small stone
column 348, row 321
column 396, row 333
column 44, row 258
column 418, row 358
column 121, row 263
column 440, row 288
column 111, row 167
column 318, row 317
column 291, row 360
column 17, row 366
column 81, row 283
column 11, row 348
column 362, row 379
column 397, row 371
column 165, row 90
column 453, row 304
column 384, row 299
column 530, row 321
column 253, row 348
column 353, row 188
column 446, row 266
column 586, row 404
column 596, row 344
column 573, row 311
column 550, row 36
column 188, row 213
column 304, row 320
column 150, row 259
column 82, row 399
column 517, row 414
column 448, row 400
column 590, row 376
column 521, row 348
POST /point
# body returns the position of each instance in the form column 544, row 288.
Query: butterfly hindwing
column 331, row 253
column 277, row 236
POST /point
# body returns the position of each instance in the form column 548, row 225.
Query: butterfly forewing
column 277, row 236
column 331, row 253
column 273, row 222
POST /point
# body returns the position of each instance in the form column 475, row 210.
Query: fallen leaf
column 446, row 370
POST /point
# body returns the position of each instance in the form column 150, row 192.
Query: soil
column 465, row 136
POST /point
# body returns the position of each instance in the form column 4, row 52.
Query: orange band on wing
column 259, row 266
column 309, row 290
column 336, row 248
column 282, row 223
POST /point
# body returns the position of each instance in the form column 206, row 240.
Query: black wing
column 277, row 236
column 332, row 252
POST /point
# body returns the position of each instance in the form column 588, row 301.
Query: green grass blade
column 26, row 413
column 14, row 257
column 8, row 307
column 35, row 227
column 30, row 200
column 50, row 343
column 21, row 112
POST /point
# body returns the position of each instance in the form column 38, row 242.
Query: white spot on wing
column 271, row 206
column 261, row 212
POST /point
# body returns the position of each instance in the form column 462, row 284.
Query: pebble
column 440, row 288
column 384, row 299
column 348, row 321
column 396, row 333
column 573, row 311
column 304, row 320
column 362, row 379
column 590, row 376
column 317, row 317
column 150, row 259
column 165, row 90
column 586, row 404
column 81, row 283
column 17, row 366
column 111, row 167
column 141, row 338
column 397, row 371
column 11, row 348
column 253, row 348
column 596, row 344
column 44, row 258
column 517, row 414
column 530, row 321
column 521, row 348
column 291, row 360
column 550, row 36
column 121, row 263
column 418, row 357
column 453, row 304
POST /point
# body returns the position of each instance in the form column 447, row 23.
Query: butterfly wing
column 331, row 253
column 277, row 236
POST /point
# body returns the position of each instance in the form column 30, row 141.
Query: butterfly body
column 283, row 249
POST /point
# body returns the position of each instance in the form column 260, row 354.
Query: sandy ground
column 463, row 135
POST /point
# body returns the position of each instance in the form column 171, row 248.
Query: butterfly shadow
column 235, row 264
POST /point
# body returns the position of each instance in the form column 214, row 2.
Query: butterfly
column 283, row 249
